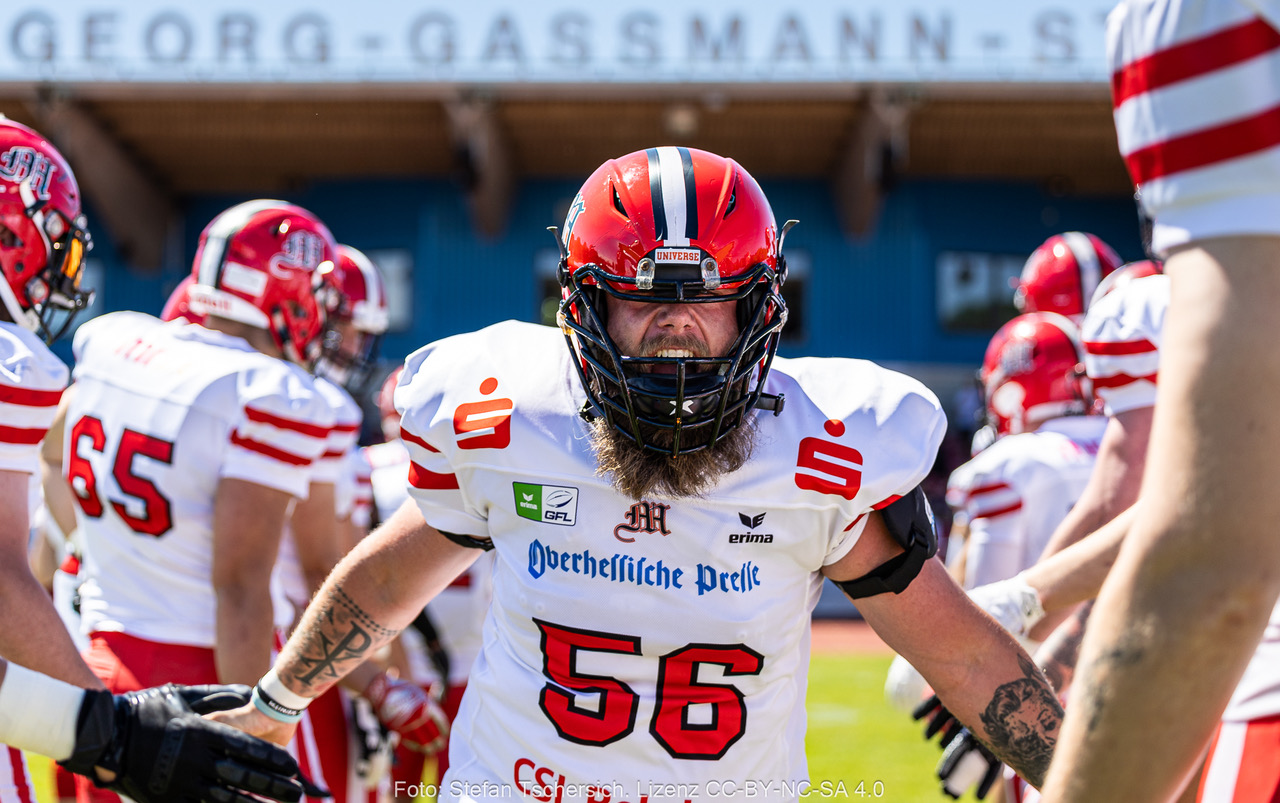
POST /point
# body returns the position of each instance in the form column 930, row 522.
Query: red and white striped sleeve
column 1122, row 334
column 31, row 383
column 361, row 473
column 1195, row 89
column 283, row 429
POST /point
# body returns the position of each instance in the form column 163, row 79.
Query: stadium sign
column 553, row 42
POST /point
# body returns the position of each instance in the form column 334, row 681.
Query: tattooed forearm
column 1058, row 656
column 329, row 644
column 1022, row 723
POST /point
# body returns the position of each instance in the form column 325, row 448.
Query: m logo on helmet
column 20, row 164
column 1018, row 358
column 303, row 250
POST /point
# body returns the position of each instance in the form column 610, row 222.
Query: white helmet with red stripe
column 1061, row 275
column 1034, row 371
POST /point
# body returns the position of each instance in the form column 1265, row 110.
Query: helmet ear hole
column 733, row 203
column 617, row 203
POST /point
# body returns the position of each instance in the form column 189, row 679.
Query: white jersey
column 289, row 591
column 31, row 383
column 162, row 413
column 1017, row 492
column 654, row 647
column 457, row 612
column 1122, row 334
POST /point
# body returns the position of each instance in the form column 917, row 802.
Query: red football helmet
column 43, row 238
column 1034, row 371
column 672, row 225
column 179, row 304
column 357, row 321
column 1125, row 274
column 1061, row 275
column 387, row 405
column 265, row 263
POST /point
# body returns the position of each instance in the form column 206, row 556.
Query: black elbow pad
column 910, row 522
column 469, row 541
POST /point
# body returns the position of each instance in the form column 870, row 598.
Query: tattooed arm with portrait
column 372, row 594
column 976, row 668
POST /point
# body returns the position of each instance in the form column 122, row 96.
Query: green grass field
column 854, row 737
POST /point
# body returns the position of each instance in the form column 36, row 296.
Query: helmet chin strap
column 27, row 319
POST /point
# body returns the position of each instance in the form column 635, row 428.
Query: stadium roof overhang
column 142, row 142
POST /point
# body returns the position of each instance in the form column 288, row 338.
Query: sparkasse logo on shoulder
column 549, row 504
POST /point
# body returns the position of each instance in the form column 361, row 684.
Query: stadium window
column 396, row 265
column 975, row 290
column 794, row 291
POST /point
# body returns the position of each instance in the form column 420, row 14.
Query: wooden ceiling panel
column 228, row 145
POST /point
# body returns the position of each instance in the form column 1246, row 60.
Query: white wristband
column 275, row 688
column 39, row 713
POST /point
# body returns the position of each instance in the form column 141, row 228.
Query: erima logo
column 751, row 522
column 549, row 504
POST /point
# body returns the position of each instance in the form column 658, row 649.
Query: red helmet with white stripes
column 264, row 263
column 179, row 304
column 356, row 321
column 1125, row 274
column 43, row 234
column 1061, row 275
column 672, row 226
column 1034, row 371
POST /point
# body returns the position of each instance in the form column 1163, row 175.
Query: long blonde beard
column 638, row 473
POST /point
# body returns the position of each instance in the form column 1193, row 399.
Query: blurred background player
column 1018, row 490
column 1062, row 274
column 186, row 446
column 441, row 646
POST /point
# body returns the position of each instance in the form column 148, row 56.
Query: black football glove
column 162, row 750
column 967, row 764
column 940, row 720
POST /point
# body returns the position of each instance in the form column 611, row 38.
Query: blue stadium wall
column 871, row 297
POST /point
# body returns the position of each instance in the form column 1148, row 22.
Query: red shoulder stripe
column 26, row 397
column 269, row 451
column 280, row 422
column 419, row 477
column 1120, row 380
column 1000, row 512
column 22, row 437
column 406, row 435
column 1193, row 58
column 1106, row 349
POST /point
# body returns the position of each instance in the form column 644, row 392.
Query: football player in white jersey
column 49, row 700
column 656, row 565
column 1014, row 493
column 441, row 648
column 186, row 446
column 1194, row 92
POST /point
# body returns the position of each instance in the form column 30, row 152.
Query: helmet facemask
column 673, row 405
column 49, row 301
